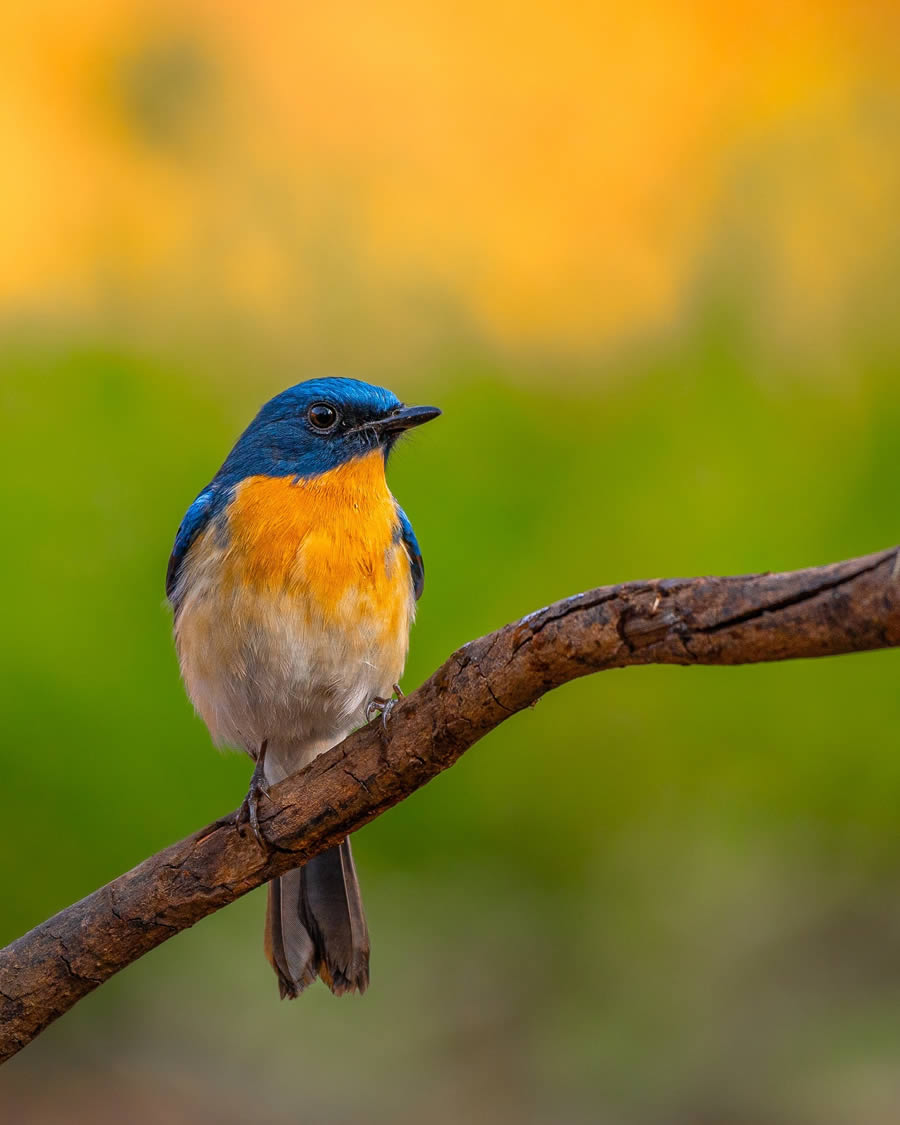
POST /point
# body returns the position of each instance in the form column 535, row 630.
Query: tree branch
column 845, row 607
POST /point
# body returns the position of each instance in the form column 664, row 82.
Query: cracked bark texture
column 844, row 607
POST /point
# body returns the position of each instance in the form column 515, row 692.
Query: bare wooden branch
column 845, row 607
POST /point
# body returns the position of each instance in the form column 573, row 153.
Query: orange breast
column 330, row 540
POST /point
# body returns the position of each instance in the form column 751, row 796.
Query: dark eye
column 322, row 416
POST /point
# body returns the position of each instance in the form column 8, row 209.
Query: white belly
column 261, row 666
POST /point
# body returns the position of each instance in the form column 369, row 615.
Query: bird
column 293, row 581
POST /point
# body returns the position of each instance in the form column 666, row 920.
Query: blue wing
column 195, row 520
column 417, row 567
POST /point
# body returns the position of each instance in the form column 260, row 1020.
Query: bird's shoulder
column 197, row 518
column 413, row 551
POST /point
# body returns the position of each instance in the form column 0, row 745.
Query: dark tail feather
column 288, row 945
column 316, row 926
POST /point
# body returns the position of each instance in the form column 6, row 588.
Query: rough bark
column 845, row 607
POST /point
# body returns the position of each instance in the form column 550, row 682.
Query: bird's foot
column 248, row 813
column 383, row 707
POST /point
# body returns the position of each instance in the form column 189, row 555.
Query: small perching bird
column 294, row 580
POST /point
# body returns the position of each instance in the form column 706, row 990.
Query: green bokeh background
column 663, row 895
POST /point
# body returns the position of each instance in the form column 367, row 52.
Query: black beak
column 405, row 418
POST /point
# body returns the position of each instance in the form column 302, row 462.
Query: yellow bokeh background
column 561, row 173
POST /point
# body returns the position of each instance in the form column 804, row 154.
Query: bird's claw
column 383, row 707
column 379, row 706
column 248, row 813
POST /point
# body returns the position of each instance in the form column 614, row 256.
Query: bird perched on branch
column 294, row 580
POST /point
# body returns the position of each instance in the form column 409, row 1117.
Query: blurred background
column 647, row 259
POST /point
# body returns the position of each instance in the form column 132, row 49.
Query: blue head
column 316, row 426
